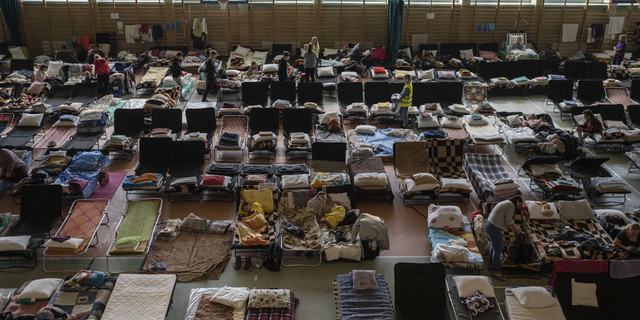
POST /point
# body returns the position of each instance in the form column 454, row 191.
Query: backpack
column 273, row 258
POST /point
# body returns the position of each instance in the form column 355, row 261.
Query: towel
column 145, row 178
column 76, row 185
column 622, row 269
column 569, row 32
column 616, row 25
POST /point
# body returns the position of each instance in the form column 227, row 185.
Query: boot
column 238, row 263
column 247, row 264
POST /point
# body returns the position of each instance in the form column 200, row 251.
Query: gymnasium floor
column 408, row 230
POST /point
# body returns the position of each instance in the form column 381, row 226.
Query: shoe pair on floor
column 248, row 266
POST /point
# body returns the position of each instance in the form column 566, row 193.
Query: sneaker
column 205, row 100
column 247, row 264
column 238, row 263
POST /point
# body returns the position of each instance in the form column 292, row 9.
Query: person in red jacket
column 590, row 126
column 102, row 73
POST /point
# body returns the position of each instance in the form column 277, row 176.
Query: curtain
column 395, row 27
column 10, row 12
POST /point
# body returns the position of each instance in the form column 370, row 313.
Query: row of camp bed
column 258, row 94
column 590, row 92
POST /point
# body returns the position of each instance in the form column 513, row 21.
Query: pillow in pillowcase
column 30, row 120
column 242, row 51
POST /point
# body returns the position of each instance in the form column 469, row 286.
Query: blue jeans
column 617, row 60
column 404, row 113
column 495, row 251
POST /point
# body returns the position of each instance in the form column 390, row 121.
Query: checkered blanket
column 445, row 158
column 73, row 301
column 274, row 313
column 173, row 92
column 482, row 169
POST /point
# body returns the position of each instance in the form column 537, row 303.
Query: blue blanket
column 380, row 139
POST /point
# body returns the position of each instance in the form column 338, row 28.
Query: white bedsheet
column 140, row 296
column 194, row 301
column 519, row 134
column 518, row 312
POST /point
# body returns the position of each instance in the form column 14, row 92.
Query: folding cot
column 19, row 136
column 83, row 220
column 450, row 93
column 233, row 126
column 185, row 170
column 58, row 95
column 152, row 78
column 283, row 90
column 605, row 113
column 618, row 95
column 349, row 94
column 373, row 303
column 567, row 278
column 364, row 190
column 228, row 102
column 264, row 120
column 475, row 98
column 89, row 299
column 40, row 211
column 460, row 311
column 154, row 157
column 167, row 118
column 516, row 311
column 547, row 182
column 634, row 91
column 328, row 157
column 584, row 169
column 521, row 138
column 6, row 122
column 322, row 132
column 327, row 82
column 297, row 121
column 141, row 296
column 291, row 169
column 575, row 70
column 230, row 171
column 634, row 114
column 439, row 239
column 275, row 313
column 483, row 134
column 85, row 138
column 485, row 169
column 129, row 123
column 54, row 138
column 83, row 166
column 596, row 71
column 378, row 144
column 559, row 90
column 199, row 299
column 374, row 93
column 304, row 220
column 445, row 162
column 201, row 126
column 138, row 219
column 255, row 93
column 83, row 94
column 590, row 91
column 410, row 158
column 419, row 287
column 310, row 93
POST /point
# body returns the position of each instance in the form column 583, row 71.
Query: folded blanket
column 382, row 105
column 229, row 139
column 145, row 178
column 495, row 138
column 608, row 182
column 270, row 137
column 184, row 181
column 77, row 185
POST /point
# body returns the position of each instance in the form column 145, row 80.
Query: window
column 503, row 2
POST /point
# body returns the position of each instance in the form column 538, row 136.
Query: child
column 551, row 53
column 316, row 204
column 407, row 100
column 87, row 77
column 620, row 49
column 41, row 74
column 102, row 73
column 253, row 70
column 283, row 66
column 310, row 62
column 590, row 126
column 251, row 209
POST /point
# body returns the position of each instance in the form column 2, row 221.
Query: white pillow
column 349, row 74
column 325, row 118
column 506, row 186
column 16, row 243
column 466, row 54
column 468, row 285
column 413, row 187
column 366, row 129
column 380, row 75
column 72, row 243
column 17, row 53
column 578, row 209
column 514, row 120
column 30, row 120
column 295, row 181
column 500, row 81
column 445, row 217
column 583, row 294
column 540, row 169
column 481, row 122
column 232, row 297
column 535, row 211
column 40, row 289
column 270, row 68
column 534, row 297
column 462, row 184
column 260, row 54
column 325, row 72
column 427, row 75
column 232, row 73
column 603, row 213
column 615, row 124
column 340, row 199
column 431, row 122
column 242, row 51
column 453, row 124
column 407, row 50
column 328, row 51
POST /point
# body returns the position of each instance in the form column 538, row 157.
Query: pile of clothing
column 281, row 104
column 227, row 109
column 118, row 143
column 229, row 139
column 609, row 184
column 589, row 246
column 562, row 184
column 264, row 140
column 93, row 121
column 161, row 133
column 160, row 100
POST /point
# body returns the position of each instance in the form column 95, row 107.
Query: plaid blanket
column 274, row 313
column 482, row 169
column 73, row 301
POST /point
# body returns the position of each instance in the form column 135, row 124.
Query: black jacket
column 210, row 69
column 176, row 70
column 283, row 69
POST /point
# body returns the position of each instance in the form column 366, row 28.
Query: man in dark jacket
column 212, row 74
column 176, row 70
column 283, row 67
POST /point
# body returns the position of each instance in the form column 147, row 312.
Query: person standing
column 176, row 68
column 620, row 49
column 212, row 75
column 12, row 168
column 310, row 63
column 102, row 73
column 407, row 100
column 283, row 67
column 315, row 46
column 501, row 216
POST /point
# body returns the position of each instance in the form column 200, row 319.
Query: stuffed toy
column 546, row 209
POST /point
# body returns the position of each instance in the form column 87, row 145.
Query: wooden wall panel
column 261, row 23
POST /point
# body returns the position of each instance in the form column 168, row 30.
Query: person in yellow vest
column 407, row 99
column 315, row 46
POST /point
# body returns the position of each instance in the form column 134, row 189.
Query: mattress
column 461, row 312
column 365, row 165
column 139, row 220
column 439, row 236
column 81, row 223
column 197, row 294
column 140, row 296
column 487, row 131
column 520, row 134
column 153, row 77
column 362, row 304
column 516, row 311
